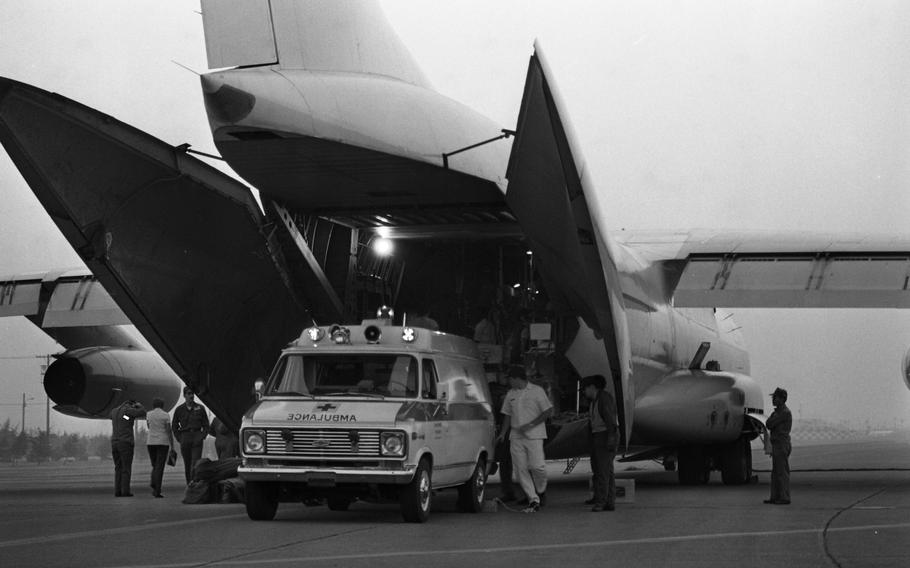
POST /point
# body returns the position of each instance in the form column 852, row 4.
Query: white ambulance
column 373, row 413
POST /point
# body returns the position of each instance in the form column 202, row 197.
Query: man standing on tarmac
column 526, row 409
column 604, row 440
column 779, row 424
column 191, row 426
column 123, row 445
column 499, row 389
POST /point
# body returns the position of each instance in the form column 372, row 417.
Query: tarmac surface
column 851, row 507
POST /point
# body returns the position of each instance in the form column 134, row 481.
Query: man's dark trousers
column 603, row 451
column 190, row 451
column 780, row 471
column 122, row 452
column 158, row 457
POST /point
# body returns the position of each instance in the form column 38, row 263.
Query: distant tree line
column 37, row 446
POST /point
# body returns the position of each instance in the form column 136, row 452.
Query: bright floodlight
column 383, row 247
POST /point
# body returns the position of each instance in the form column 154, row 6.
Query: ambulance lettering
column 306, row 417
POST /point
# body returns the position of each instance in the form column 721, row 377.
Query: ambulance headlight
column 392, row 444
column 253, row 441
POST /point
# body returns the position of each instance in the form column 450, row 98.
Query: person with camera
column 123, row 441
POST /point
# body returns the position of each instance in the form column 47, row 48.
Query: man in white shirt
column 527, row 408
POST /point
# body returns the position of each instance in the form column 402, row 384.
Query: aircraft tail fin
column 347, row 36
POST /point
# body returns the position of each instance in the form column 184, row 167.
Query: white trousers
column 528, row 467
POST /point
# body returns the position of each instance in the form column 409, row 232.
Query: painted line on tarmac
column 501, row 549
column 106, row 532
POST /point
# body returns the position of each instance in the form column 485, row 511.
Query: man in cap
column 526, row 409
column 123, row 419
column 191, row 426
column 604, row 424
column 779, row 424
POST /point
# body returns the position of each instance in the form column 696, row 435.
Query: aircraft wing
column 183, row 249
column 70, row 305
column 779, row 270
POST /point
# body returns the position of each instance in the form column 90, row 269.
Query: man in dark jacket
column 604, row 440
column 123, row 443
column 779, row 424
column 191, row 426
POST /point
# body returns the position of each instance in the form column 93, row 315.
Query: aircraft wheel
column 736, row 463
column 338, row 503
column 692, row 466
column 470, row 495
column 417, row 496
column 261, row 500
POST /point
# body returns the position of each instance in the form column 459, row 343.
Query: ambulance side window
column 428, row 387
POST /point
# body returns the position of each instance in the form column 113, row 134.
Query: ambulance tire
column 261, row 500
column 470, row 495
column 417, row 496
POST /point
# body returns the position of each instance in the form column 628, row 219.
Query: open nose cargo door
column 550, row 194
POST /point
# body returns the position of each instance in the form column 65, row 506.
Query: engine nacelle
column 91, row 382
column 696, row 408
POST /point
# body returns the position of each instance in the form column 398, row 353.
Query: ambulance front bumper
column 258, row 470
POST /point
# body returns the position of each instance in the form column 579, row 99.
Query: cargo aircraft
column 320, row 107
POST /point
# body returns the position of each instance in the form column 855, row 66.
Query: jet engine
column 697, row 407
column 91, row 382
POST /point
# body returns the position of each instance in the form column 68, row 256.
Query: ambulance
column 373, row 413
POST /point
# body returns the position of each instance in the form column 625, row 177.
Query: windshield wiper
column 290, row 393
column 347, row 393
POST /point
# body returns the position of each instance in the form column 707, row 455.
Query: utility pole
column 47, row 411
column 22, row 424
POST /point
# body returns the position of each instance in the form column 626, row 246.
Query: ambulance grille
column 313, row 443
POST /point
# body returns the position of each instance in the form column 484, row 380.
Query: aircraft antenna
column 193, row 71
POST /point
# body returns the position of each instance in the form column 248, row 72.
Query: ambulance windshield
column 380, row 375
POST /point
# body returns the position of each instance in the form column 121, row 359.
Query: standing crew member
column 604, row 440
column 123, row 444
column 527, row 408
column 160, row 442
column 499, row 389
column 779, row 424
column 191, row 426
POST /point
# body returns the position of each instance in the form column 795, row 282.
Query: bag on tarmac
column 197, row 493
column 215, row 471
column 231, row 490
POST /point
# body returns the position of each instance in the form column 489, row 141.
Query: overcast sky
column 776, row 115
